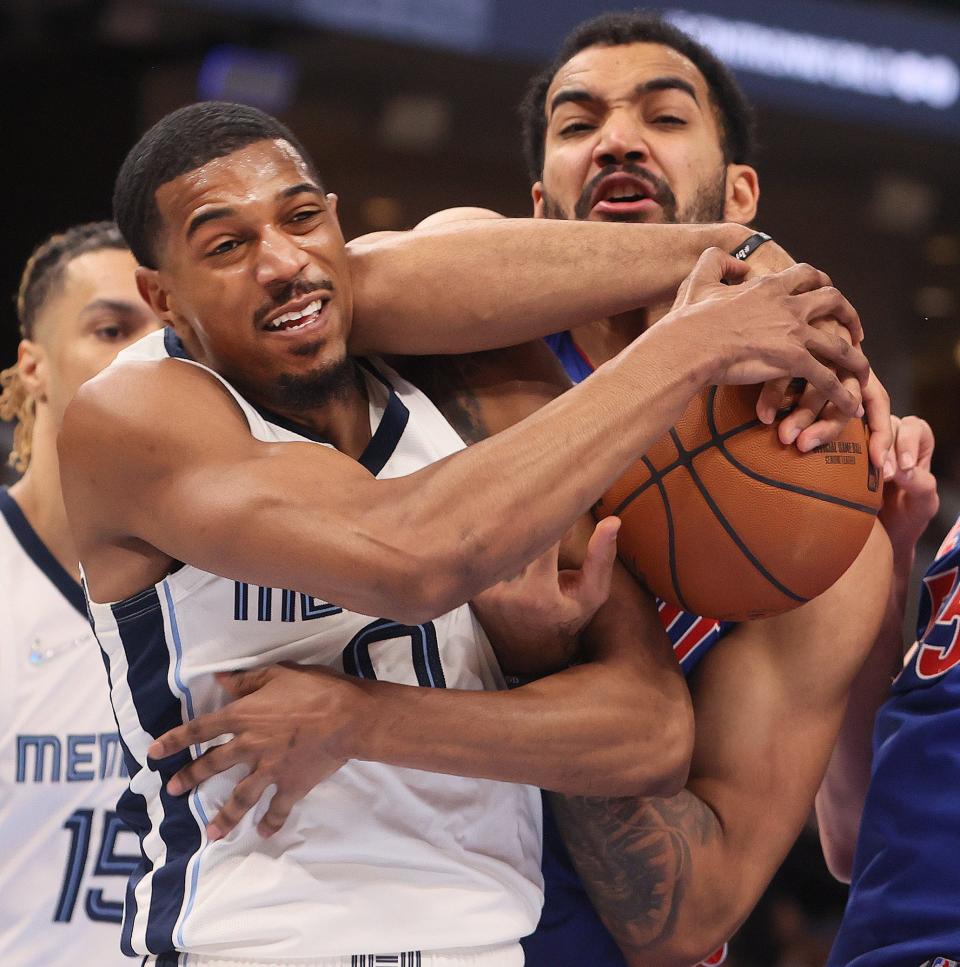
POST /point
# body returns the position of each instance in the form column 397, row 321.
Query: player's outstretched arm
column 674, row 877
column 910, row 502
column 469, row 280
column 175, row 471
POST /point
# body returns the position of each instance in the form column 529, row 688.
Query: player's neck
column 343, row 420
column 603, row 339
column 39, row 496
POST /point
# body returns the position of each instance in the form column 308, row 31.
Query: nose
column 279, row 258
column 621, row 139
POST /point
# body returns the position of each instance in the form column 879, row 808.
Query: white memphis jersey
column 64, row 855
column 375, row 859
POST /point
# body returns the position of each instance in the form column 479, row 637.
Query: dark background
column 409, row 107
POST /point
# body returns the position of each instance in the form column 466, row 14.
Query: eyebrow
column 119, row 306
column 208, row 216
column 225, row 212
column 668, row 84
column 579, row 95
column 297, row 189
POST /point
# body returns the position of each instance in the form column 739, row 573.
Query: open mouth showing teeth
column 625, row 198
column 295, row 320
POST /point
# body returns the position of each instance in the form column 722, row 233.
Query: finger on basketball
column 808, row 408
column 593, row 582
column 876, row 402
column 816, row 421
column 828, row 383
column 771, row 399
column 246, row 794
column 211, row 763
column 840, row 353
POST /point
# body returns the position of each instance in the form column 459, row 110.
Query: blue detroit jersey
column 904, row 904
column 570, row 931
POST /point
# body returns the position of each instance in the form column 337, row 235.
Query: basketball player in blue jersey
column 66, row 855
column 242, row 491
column 885, row 811
column 636, row 122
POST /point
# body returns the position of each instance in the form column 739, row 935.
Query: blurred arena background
column 409, row 106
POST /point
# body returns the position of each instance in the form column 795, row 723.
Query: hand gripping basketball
column 766, row 332
column 722, row 518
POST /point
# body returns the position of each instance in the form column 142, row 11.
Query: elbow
column 657, row 762
column 671, row 759
column 838, row 855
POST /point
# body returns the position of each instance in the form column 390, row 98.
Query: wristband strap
column 747, row 248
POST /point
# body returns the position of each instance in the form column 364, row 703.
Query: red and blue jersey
column 904, row 905
column 570, row 932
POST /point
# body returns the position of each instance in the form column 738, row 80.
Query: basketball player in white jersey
column 66, row 854
column 216, row 534
column 769, row 730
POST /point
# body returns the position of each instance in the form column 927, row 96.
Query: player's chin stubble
column 707, row 204
column 325, row 384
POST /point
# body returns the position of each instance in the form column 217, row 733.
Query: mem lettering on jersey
column 257, row 604
column 69, row 758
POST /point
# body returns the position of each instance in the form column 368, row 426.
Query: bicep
column 769, row 701
column 206, row 492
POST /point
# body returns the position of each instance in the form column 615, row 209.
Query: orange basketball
column 723, row 520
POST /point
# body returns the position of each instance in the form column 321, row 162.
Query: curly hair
column 42, row 275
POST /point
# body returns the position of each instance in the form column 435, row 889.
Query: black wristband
column 747, row 248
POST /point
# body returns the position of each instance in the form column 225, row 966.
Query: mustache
column 291, row 290
column 661, row 192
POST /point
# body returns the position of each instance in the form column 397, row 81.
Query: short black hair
column 642, row 26
column 44, row 270
column 183, row 141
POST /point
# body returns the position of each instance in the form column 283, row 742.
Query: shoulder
column 137, row 399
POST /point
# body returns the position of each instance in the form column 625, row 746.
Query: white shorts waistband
column 500, row 955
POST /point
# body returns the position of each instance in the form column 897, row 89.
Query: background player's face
column 93, row 314
column 632, row 136
column 252, row 269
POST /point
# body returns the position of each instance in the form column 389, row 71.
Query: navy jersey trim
column 392, row 424
column 140, row 624
column 173, row 344
column 40, row 554
column 384, row 440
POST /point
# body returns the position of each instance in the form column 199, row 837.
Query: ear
column 331, row 200
column 153, row 292
column 536, row 193
column 32, row 368
column 742, row 194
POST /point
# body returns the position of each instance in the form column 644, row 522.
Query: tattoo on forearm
column 635, row 857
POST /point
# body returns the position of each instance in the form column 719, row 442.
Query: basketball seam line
column 671, row 549
column 734, row 536
column 718, row 441
column 685, row 457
